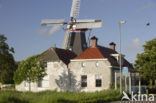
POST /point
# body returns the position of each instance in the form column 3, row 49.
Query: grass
column 58, row 97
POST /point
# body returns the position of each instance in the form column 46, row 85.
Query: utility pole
column 121, row 22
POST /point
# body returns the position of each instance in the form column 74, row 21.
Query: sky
column 20, row 23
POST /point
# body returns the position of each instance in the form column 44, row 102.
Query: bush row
column 59, row 97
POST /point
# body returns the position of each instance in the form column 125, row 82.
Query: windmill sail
column 66, row 39
column 88, row 24
column 50, row 22
column 75, row 9
column 75, row 37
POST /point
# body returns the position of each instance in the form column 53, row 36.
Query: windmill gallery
column 78, row 65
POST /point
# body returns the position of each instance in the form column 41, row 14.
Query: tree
column 146, row 62
column 30, row 70
column 67, row 82
column 7, row 63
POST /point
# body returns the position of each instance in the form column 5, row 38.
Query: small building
column 56, row 62
column 94, row 69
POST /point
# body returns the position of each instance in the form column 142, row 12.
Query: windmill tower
column 75, row 38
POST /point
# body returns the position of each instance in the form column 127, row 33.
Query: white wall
column 61, row 78
column 55, row 73
column 91, row 68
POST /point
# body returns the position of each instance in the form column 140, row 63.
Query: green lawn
column 58, row 97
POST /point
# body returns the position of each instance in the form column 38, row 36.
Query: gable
column 57, row 54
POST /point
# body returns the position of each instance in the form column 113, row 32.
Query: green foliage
column 146, row 61
column 7, row 63
column 30, row 70
column 112, row 86
column 59, row 97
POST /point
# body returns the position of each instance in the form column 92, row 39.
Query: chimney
column 112, row 45
column 94, row 41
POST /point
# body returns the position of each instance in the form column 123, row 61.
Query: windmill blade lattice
column 75, row 9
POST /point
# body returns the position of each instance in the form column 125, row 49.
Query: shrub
column 59, row 97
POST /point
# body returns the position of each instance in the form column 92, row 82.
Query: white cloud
column 136, row 44
column 43, row 31
column 133, row 49
column 54, row 29
column 148, row 5
column 51, row 31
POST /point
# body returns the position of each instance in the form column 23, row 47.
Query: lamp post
column 120, row 22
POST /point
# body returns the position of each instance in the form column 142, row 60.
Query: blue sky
column 20, row 22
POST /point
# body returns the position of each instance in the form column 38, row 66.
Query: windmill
column 75, row 38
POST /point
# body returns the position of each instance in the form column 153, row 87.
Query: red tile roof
column 101, row 52
column 90, row 53
column 98, row 52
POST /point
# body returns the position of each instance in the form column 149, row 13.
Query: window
column 98, row 80
column 39, row 84
column 84, row 81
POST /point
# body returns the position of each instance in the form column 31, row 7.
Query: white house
column 92, row 70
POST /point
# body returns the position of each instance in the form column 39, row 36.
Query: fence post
column 130, row 85
column 115, row 80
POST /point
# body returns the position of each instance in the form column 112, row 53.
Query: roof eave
column 103, row 59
